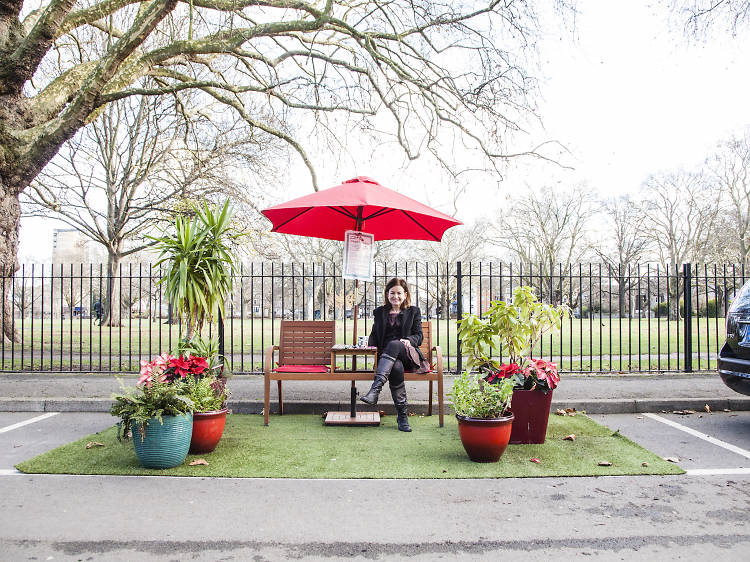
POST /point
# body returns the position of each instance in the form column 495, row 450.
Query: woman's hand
column 405, row 341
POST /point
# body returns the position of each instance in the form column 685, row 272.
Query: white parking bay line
column 27, row 422
column 717, row 471
column 699, row 435
column 10, row 472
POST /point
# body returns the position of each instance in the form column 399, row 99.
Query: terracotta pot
column 484, row 440
column 208, row 427
column 531, row 411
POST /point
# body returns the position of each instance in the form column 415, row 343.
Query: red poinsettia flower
column 197, row 364
column 181, row 366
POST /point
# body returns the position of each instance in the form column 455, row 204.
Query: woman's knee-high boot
column 385, row 364
column 399, row 400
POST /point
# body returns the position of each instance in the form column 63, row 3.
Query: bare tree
column 549, row 228
column 700, row 15
column 117, row 179
column 424, row 71
column 681, row 210
column 730, row 166
column 459, row 244
column 626, row 243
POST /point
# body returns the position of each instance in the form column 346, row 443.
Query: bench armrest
column 268, row 367
column 439, row 360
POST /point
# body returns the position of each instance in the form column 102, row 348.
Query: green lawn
column 582, row 344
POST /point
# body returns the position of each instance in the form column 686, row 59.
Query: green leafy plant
column 511, row 328
column 207, row 393
column 198, row 346
column 147, row 402
column 474, row 397
column 200, row 264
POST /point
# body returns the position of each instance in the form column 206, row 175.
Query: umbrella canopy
column 362, row 204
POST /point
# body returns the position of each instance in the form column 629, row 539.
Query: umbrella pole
column 353, row 408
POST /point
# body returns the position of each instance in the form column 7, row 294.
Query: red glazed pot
column 484, row 440
column 208, row 427
column 531, row 411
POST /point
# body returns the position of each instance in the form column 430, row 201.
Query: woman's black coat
column 411, row 327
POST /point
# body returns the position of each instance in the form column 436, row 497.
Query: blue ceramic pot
column 165, row 445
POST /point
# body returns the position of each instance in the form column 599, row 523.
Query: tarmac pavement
column 686, row 517
column 595, row 394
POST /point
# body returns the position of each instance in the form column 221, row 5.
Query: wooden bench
column 304, row 353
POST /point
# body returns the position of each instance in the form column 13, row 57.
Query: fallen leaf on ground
column 196, row 462
column 671, row 459
column 605, row 463
column 559, row 412
column 94, row 444
column 683, row 412
column 571, row 437
column 644, row 464
column 707, row 408
column 382, row 413
column 535, row 460
column 570, row 411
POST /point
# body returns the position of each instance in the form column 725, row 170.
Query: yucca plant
column 200, row 265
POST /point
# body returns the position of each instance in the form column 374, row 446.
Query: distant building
column 70, row 246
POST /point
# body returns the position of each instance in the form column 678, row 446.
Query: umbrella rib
column 420, row 226
column 378, row 213
column 344, row 212
column 302, row 212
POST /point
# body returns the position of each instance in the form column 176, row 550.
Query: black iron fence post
column 220, row 325
column 459, row 314
column 687, row 316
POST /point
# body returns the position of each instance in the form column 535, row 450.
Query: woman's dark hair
column 397, row 281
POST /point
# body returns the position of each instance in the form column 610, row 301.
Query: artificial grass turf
column 301, row 446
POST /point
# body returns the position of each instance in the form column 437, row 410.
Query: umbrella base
column 346, row 418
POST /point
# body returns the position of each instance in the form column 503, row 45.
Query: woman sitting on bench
column 397, row 333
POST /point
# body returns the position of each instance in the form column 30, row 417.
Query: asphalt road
column 702, row 514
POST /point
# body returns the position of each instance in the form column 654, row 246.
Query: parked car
column 734, row 357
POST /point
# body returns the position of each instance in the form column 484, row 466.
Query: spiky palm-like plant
column 200, row 265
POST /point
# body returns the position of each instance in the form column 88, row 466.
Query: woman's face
column 396, row 296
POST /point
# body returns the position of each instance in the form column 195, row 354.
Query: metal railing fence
column 631, row 318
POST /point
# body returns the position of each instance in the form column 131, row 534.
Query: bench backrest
column 426, row 347
column 306, row 342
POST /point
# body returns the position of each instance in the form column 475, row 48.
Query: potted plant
column 206, row 391
column 209, row 396
column 483, row 413
column 513, row 328
column 158, row 415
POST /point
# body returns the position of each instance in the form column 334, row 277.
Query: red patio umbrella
column 361, row 204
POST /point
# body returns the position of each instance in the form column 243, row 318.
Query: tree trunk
column 10, row 217
column 111, row 305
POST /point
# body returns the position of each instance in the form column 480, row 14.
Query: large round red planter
column 531, row 411
column 484, row 440
column 208, row 427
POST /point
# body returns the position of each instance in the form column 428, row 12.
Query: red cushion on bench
column 301, row 369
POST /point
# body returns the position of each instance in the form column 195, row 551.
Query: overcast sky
column 625, row 92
